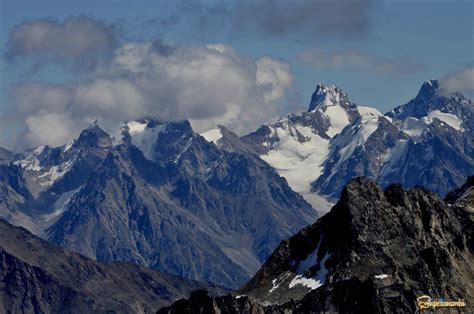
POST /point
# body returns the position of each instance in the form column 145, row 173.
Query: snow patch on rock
column 450, row 119
column 415, row 127
column 212, row 135
column 364, row 110
column 338, row 119
column 307, row 282
column 309, row 262
column 144, row 137
column 31, row 162
column 55, row 173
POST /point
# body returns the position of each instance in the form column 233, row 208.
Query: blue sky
column 378, row 52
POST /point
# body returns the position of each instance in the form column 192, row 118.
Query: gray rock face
column 5, row 155
column 186, row 207
column 376, row 251
column 40, row 278
column 462, row 202
column 13, row 193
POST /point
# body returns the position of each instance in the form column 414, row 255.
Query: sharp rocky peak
column 432, row 96
column 427, row 90
column 5, row 154
column 327, row 95
column 322, row 89
column 433, row 90
column 94, row 136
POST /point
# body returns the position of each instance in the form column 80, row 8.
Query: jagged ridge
column 384, row 248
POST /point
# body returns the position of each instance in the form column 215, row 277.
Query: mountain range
column 427, row 141
column 214, row 206
column 161, row 197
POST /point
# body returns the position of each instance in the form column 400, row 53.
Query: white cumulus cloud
column 209, row 85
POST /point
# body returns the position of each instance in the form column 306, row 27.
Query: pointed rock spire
column 427, row 90
column 326, row 96
column 94, row 136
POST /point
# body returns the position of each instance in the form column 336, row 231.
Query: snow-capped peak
column 323, row 89
column 433, row 100
column 334, row 106
column 94, row 136
column 326, row 96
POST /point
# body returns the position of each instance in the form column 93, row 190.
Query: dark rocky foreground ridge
column 36, row 277
column 376, row 251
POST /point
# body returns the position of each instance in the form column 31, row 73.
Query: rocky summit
column 376, row 251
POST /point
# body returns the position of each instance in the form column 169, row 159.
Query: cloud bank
column 459, row 81
column 207, row 84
